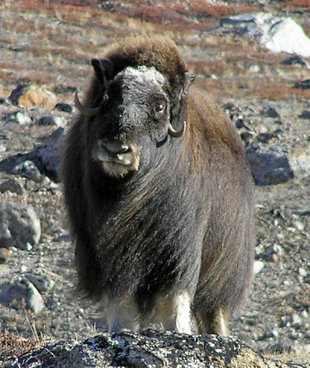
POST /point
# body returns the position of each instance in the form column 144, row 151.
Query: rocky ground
column 49, row 46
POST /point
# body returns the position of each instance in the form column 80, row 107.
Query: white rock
column 283, row 34
column 278, row 34
column 258, row 266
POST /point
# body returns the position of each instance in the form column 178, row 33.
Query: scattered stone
column 28, row 170
column 19, row 117
column 269, row 165
column 305, row 114
column 270, row 112
column 246, row 136
column 52, row 120
column 239, row 123
column 63, row 106
column 299, row 225
column 12, row 185
column 30, row 95
column 296, row 60
column 305, row 84
column 271, row 253
column 5, row 255
column 296, row 320
column 258, row 267
column 42, row 283
column 302, row 272
column 19, row 225
column 268, row 334
column 300, row 162
column 21, row 294
column 266, row 137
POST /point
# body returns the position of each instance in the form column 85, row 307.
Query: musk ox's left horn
column 85, row 110
column 174, row 133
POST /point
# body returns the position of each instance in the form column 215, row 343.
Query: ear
column 103, row 69
column 188, row 80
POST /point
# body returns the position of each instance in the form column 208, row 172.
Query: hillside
column 49, row 44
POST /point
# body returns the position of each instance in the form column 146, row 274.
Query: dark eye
column 159, row 110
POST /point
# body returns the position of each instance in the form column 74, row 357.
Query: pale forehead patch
column 143, row 74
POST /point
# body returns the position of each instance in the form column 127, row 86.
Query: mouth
column 117, row 158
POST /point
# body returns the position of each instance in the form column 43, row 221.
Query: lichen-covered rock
column 30, row 95
column 150, row 349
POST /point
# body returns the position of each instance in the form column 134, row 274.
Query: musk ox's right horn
column 177, row 134
column 87, row 111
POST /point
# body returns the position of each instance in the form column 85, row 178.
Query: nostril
column 124, row 148
column 116, row 148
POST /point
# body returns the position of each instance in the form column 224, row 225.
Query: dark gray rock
column 62, row 106
column 17, row 92
column 269, row 165
column 305, row 114
column 28, row 170
column 305, row 84
column 270, row 111
column 296, row 60
column 12, row 185
column 45, row 157
column 52, row 120
column 19, row 225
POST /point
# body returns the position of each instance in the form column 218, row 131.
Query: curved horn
column 174, row 133
column 85, row 110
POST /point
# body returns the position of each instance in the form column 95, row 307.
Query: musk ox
column 159, row 195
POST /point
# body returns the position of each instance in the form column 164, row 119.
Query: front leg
column 174, row 312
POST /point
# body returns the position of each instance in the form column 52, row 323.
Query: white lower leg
column 183, row 313
column 174, row 312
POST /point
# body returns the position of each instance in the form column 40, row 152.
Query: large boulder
column 31, row 95
column 269, row 165
column 278, row 34
column 146, row 350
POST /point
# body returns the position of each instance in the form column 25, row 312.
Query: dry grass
column 295, row 4
column 11, row 344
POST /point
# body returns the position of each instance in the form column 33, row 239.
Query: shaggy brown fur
column 163, row 226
